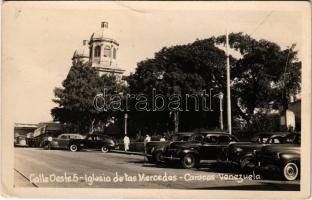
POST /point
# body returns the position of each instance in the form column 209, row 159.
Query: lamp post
column 126, row 117
column 220, row 96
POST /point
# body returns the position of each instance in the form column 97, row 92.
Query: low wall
column 134, row 146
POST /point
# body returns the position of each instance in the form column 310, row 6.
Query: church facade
column 101, row 52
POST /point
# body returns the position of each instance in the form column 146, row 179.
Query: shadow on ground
column 263, row 186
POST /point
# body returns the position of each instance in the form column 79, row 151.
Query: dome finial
column 104, row 24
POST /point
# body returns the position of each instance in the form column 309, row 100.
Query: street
column 35, row 167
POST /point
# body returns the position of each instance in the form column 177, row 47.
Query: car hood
column 282, row 148
column 244, row 144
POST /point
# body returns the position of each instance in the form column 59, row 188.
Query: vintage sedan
column 206, row 146
column 241, row 153
column 94, row 141
column 61, row 141
column 284, row 158
column 155, row 149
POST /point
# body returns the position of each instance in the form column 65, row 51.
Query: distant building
column 101, row 51
column 21, row 130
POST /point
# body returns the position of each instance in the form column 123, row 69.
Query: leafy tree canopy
column 75, row 99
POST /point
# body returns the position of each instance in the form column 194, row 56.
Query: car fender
column 191, row 151
column 289, row 157
column 246, row 155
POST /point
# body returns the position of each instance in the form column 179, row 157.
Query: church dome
column 103, row 34
column 83, row 51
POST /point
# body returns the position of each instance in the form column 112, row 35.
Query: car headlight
column 238, row 149
column 49, row 139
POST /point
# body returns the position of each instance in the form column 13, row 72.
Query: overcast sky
column 40, row 38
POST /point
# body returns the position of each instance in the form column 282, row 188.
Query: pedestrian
column 126, row 142
column 147, row 139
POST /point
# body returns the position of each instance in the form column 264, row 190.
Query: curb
column 128, row 152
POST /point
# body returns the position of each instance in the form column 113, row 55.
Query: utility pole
column 228, row 84
column 221, row 110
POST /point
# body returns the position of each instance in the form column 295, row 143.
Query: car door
column 98, row 142
column 209, row 147
column 223, row 141
column 65, row 143
column 89, row 142
column 61, row 141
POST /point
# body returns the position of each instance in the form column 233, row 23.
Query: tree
column 183, row 69
column 265, row 74
column 75, row 99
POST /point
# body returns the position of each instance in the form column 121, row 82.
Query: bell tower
column 103, row 51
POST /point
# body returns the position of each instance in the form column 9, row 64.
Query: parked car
column 206, row 146
column 61, row 141
column 241, row 153
column 155, row 149
column 285, row 158
column 94, row 141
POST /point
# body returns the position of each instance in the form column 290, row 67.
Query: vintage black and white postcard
column 180, row 99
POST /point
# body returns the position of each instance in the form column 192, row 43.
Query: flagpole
column 228, row 84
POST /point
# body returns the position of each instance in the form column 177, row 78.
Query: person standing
column 126, row 143
column 146, row 140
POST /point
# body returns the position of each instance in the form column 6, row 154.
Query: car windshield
column 276, row 140
column 197, row 138
column 293, row 139
column 261, row 139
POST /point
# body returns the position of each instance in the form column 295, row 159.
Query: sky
column 39, row 39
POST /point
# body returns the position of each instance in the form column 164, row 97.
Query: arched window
column 107, row 52
column 114, row 53
column 97, row 51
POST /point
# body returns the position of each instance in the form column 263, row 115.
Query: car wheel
column 290, row 171
column 188, row 161
column 158, row 156
column 73, row 148
column 104, row 149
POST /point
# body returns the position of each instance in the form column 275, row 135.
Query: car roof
column 71, row 134
column 99, row 135
column 272, row 133
column 185, row 133
column 218, row 133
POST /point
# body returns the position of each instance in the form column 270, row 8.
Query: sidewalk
column 128, row 152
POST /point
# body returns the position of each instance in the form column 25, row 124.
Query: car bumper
column 113, row 147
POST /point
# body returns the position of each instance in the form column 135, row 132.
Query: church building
column 101, row 52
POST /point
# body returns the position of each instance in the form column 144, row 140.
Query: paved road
column 57, row 168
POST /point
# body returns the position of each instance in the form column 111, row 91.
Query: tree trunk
column 92, row 126
column 176, row 121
